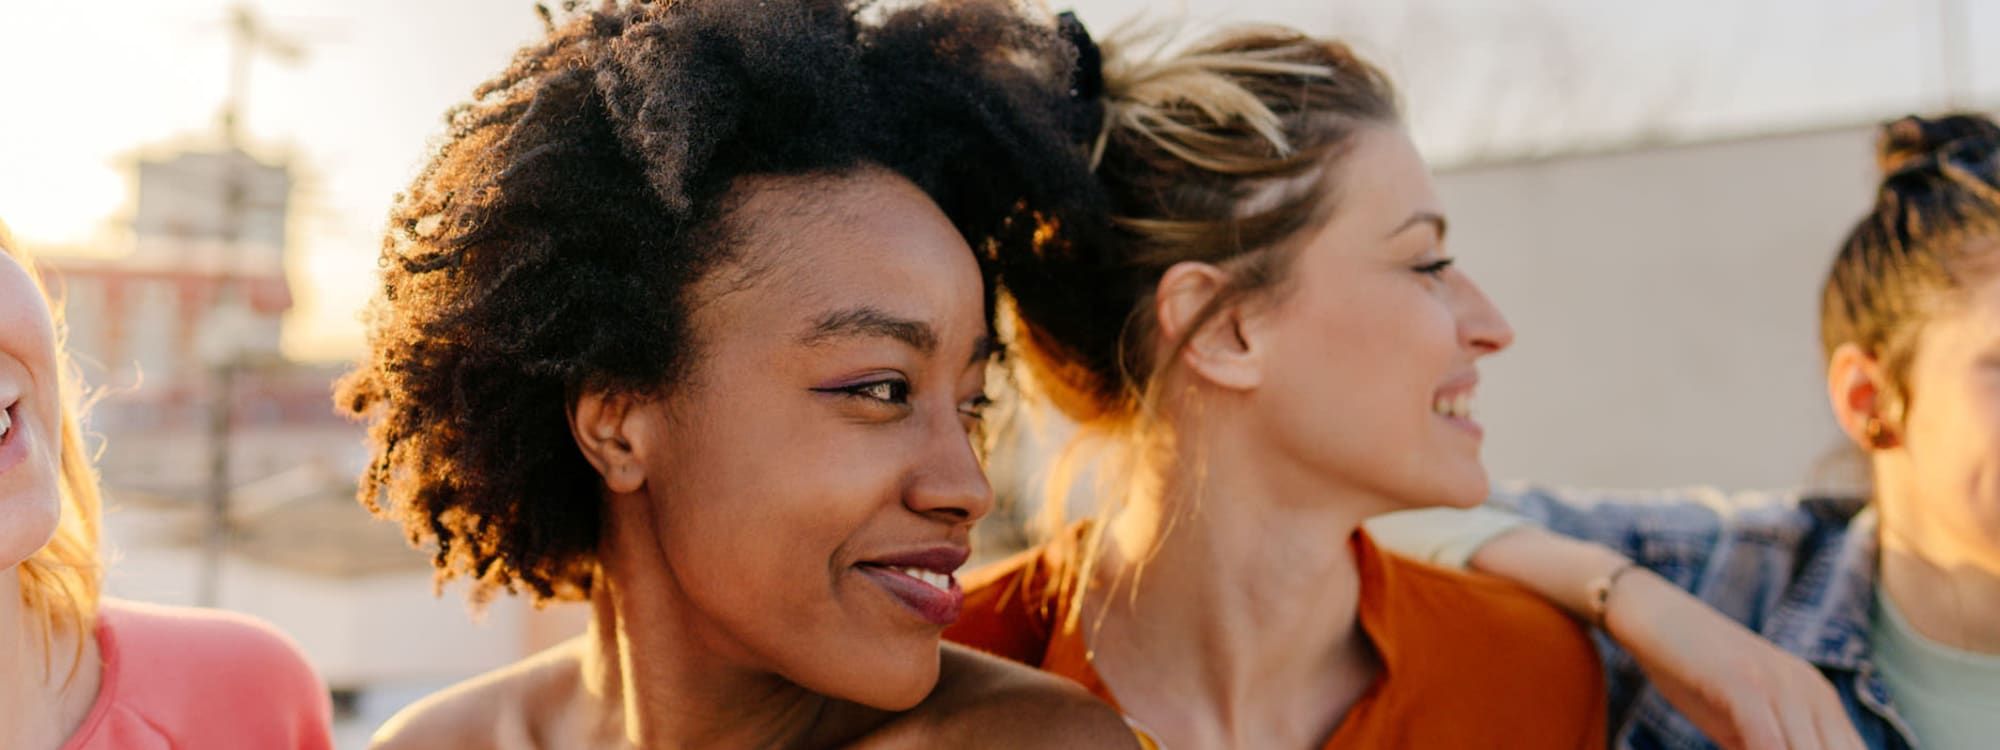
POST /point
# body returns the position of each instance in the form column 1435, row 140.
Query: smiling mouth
column 1454, row 404
column 922, row 582
column 1459, row 405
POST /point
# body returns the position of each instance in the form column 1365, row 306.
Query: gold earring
column 1879, row 436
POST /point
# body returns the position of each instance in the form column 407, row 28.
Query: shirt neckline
column 107, row 685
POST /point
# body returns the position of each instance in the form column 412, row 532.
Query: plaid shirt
column 1798, row 570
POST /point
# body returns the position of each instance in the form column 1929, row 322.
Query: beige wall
column 1666, row 302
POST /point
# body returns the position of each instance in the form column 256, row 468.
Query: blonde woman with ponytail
column 1260, row 342
column 1265, row 343
column 79, row 672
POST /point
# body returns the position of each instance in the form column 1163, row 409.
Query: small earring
column 1879, row 437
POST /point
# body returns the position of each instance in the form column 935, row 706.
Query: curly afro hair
column 549, row 246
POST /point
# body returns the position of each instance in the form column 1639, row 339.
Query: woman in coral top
column 1266, row 344
column 80, row 672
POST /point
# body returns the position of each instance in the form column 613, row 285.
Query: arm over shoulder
column 1672, row 532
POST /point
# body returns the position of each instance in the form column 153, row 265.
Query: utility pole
column 223, row 353
column 249, row 36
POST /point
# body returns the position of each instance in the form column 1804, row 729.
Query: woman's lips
column 14, row 442
column 937, row 605
column 921, row 580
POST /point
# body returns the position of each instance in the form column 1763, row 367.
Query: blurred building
column 179, row 335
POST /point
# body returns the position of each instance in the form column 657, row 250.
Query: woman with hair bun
column 683, row 320
column 1892, row 595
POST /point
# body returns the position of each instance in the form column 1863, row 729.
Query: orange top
column 1467, row 661
column 194, row 678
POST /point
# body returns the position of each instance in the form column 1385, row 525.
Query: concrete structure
column 1666, row 302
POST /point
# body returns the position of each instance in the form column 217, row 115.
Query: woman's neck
column 1234, row 591
column 41, row 704
column 1945, row 580
column 672, row 682
column 1954, row 605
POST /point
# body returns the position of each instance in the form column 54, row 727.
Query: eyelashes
column 895, row 392
column 1435, row 269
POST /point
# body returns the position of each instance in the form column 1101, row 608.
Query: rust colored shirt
column 1467, row 661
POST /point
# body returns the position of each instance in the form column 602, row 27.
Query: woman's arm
column 1732, row 684
column 1738, row 688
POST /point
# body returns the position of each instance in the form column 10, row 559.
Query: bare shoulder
column 517, row 706
column 985, row 702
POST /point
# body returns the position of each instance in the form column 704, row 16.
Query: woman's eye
column 1435, row 269
column 975, row 408
column 885, row 391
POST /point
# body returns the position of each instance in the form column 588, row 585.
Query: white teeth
column 937, row 581
column 1453, row 406
column 6, row 423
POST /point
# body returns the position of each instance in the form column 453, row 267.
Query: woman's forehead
column 810, row 247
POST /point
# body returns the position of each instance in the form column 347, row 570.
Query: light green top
column 1949, row 696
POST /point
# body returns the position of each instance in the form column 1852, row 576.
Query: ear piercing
column 1879, row 437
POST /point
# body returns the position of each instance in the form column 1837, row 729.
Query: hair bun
column 1914, row 140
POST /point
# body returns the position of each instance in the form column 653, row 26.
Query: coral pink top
column 192, row 678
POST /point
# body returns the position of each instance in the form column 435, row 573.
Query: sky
column 85, row 88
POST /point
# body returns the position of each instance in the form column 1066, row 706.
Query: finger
column 1836, row 729
column 1800, row 724
column 1759, row 728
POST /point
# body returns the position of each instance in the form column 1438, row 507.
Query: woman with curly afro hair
column 683, row 318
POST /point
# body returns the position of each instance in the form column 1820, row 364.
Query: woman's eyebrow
column 870, row 322
column 1419, row 218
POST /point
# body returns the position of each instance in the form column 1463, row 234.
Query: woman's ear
column 608, row 429
column 1857, row 388
column 1214, row 348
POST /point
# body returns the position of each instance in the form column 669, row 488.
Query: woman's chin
column 895, row 687
column 1466, row 489
column 26, row 525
